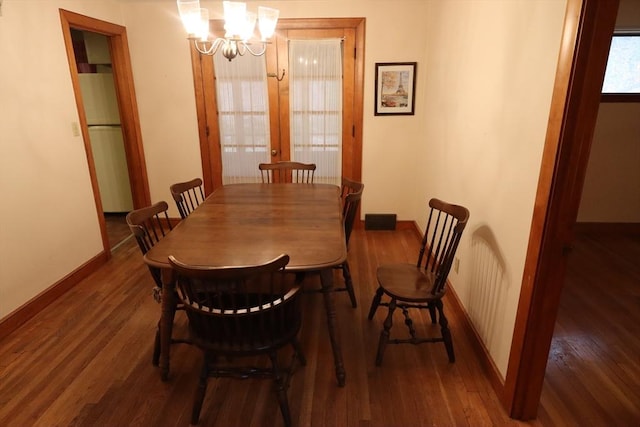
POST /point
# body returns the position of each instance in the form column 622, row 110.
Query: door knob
column 274, row 152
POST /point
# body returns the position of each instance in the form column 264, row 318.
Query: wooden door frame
column 205, row 96
column 130, row 123
column 588, row 28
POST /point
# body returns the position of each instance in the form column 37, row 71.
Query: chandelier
column 239, row 25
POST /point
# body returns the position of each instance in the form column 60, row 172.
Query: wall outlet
column 456, row 264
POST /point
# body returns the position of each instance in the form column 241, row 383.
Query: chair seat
column 407, row 282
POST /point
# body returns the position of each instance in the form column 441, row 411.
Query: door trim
column 130, row 123
column 584, row 49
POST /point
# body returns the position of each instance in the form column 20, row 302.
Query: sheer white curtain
column 315, row 81
column 243, row 116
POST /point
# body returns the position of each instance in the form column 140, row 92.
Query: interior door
column 351, row 30
column 279, row 90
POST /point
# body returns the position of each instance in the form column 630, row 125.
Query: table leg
column 166, row 321
column 326, row 278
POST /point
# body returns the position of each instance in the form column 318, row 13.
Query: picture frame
column 395, row 88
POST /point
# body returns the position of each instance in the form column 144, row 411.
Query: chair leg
column 446, row 333
column 432, row 313
column 200, row 391
column 281, row 390
column 156, row 348
column 299, row 278
column 299, row 353
column 346, row 273
column 384, row 335
column 375, row 303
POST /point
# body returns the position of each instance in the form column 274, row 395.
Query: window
column 272, row 131
column 243, row 110
column 315, row 73
column 622, row 75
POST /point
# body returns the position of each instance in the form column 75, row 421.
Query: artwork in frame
column 395, row 88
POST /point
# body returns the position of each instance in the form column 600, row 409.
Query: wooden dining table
column 248, row 224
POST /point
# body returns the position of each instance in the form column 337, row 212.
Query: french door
column 210, row 114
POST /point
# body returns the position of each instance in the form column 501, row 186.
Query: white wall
column 161, row 63
column 48, row 219
column 485, row 74
column 611, row 190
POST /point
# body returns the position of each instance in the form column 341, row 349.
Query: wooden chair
column 422, row 286
column 149, row 225
column 351, row 194
column 237, row 312
column 187, row 195
column 287, row 172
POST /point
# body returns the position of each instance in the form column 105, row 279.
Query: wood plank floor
column 117, row 228
column 593, row 370
column 86, row 361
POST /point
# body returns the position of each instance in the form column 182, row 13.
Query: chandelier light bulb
column 239, row 28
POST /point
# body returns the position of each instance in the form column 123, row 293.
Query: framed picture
column 395, row 88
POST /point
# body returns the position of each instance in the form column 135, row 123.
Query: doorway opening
column 106, row 126
column 574, row 109
column 95, row 73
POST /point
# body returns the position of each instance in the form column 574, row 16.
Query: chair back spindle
column 281, row 172
column 187, row 195
column 149, row 224
column 444, row 229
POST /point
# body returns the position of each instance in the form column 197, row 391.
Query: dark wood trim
column 127, row 104
column 620, row 97
column 281, row 97
column 607, row 227
column 207, row 126
column 41, row 301
column 68, row 20
column 130, row 120
column 358, row 106
column 584, row 49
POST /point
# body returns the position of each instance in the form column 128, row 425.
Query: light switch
column 75, row 129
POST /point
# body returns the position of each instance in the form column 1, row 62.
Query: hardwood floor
column 86, row 360
column 593, row 371
column 117, row 228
